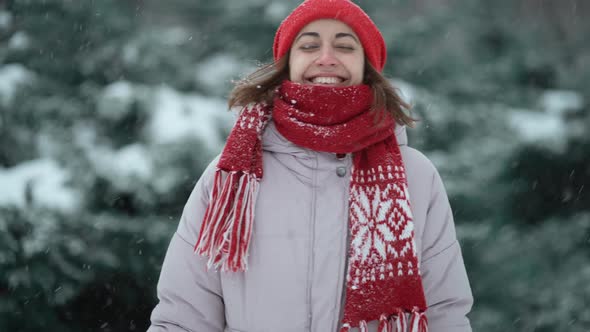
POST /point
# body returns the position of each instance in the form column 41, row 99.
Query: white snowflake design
column 254, row 115
column 380, row 225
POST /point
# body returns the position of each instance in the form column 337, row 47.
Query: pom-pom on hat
column 342, row 10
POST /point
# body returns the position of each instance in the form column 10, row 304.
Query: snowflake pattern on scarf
column 383, row 245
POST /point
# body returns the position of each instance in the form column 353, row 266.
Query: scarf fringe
column 397, row 323
column 227, row 225
column 419, row 322
column 363, row 326
column 384, row 324
column 401, row 321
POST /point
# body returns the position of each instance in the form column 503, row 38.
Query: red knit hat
column 342, row 10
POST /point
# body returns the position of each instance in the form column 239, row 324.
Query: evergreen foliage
column 105, row 127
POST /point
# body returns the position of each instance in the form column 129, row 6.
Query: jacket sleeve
column 446, row 286
column 189, row 296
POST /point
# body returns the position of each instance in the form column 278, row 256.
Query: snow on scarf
column 383, row 280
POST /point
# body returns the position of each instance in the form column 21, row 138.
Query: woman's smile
column 326, row 79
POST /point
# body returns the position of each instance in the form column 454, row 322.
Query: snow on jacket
column 298, row 254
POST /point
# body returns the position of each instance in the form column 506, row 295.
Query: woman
column 317, row 216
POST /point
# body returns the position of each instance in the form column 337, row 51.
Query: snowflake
column 375, row 226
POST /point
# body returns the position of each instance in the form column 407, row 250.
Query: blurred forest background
column 111, row 109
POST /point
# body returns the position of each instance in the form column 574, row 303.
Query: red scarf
column 383, row 280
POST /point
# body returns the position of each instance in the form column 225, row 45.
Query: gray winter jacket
column 297, row 261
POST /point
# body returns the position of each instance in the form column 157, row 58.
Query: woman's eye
column 345, row 47
column 306, row 47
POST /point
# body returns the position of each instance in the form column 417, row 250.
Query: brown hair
column 260, row 86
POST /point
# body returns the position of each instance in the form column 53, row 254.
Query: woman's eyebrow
column 317, row 35
column 344, row 34
column 312, row 34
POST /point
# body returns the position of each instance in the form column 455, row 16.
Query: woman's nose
column 326, row 57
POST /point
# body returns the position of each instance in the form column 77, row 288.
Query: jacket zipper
column 346, row 249
column 312, row 240
column 345, row 272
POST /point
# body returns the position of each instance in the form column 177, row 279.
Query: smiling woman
column 349, row 228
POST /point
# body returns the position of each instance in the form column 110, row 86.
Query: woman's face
column 327, row 52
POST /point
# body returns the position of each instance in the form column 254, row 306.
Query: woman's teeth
column 326, row 80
